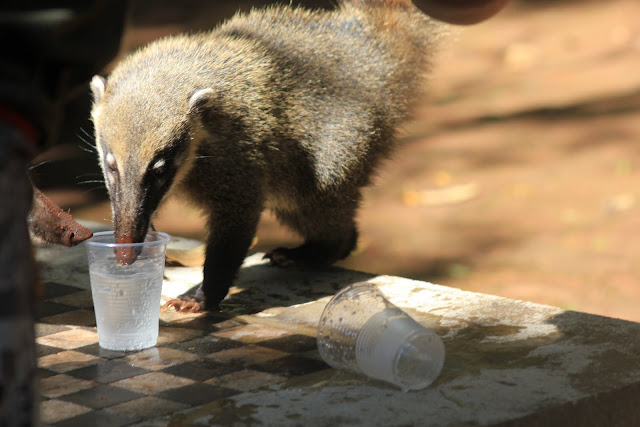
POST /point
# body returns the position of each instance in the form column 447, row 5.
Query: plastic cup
column 361, row 331
column 126, row 298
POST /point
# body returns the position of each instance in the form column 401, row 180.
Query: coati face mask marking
column 161, row 173
column 110, row 161
column 110, row 168
column 139, row 169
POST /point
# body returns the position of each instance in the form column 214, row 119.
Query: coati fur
column 48, row 223
column 281, row 108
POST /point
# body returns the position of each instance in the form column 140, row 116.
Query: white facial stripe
column 110, row 160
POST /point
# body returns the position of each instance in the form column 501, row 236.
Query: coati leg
column 330, row 235
column 227, row 245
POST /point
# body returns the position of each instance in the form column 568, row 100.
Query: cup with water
column 126, row 298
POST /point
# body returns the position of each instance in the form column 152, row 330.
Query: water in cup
column 125, row 301
column 126, row 298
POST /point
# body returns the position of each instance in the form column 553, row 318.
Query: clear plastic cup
column 126, row 298
column 361, row 331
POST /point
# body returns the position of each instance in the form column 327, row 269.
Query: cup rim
column 164, row 238
column 338, row 299
column 353, row 287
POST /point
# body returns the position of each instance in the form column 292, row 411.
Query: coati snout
column 138, row 176
column 50, row 224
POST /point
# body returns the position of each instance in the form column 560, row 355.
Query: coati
column 281, row 108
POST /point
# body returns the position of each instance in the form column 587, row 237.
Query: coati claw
column 184, row 306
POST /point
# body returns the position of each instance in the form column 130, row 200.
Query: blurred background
column 518, row 174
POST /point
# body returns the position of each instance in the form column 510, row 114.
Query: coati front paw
column 187, row 305
column 196, row 303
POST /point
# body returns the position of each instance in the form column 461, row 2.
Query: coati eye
column 110, row 161
column 159, row 167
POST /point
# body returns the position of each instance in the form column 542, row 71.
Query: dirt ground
column 519, row 174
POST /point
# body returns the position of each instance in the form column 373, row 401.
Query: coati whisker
column 88, row 135
column 102, row 187
column 92, row 182
column 37, row 165
column 96, row 174
column 86, row 149
column 199, row 157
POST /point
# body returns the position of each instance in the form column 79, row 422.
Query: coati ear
column 98, row 85
column 200, row 99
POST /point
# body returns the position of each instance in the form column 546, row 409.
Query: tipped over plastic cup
column 126, row 298
column 361, row 331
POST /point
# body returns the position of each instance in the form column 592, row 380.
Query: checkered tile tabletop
column 257, row 362
column 199, row 358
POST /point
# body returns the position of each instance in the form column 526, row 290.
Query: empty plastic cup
column 126, row 298
column 361, row 331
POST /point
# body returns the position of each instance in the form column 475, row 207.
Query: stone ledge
column 510, row 363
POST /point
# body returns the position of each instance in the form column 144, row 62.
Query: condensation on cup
column 361, row 331
column 126, row 298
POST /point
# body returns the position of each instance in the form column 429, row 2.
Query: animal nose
column 127, row 256
column 77, row 234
